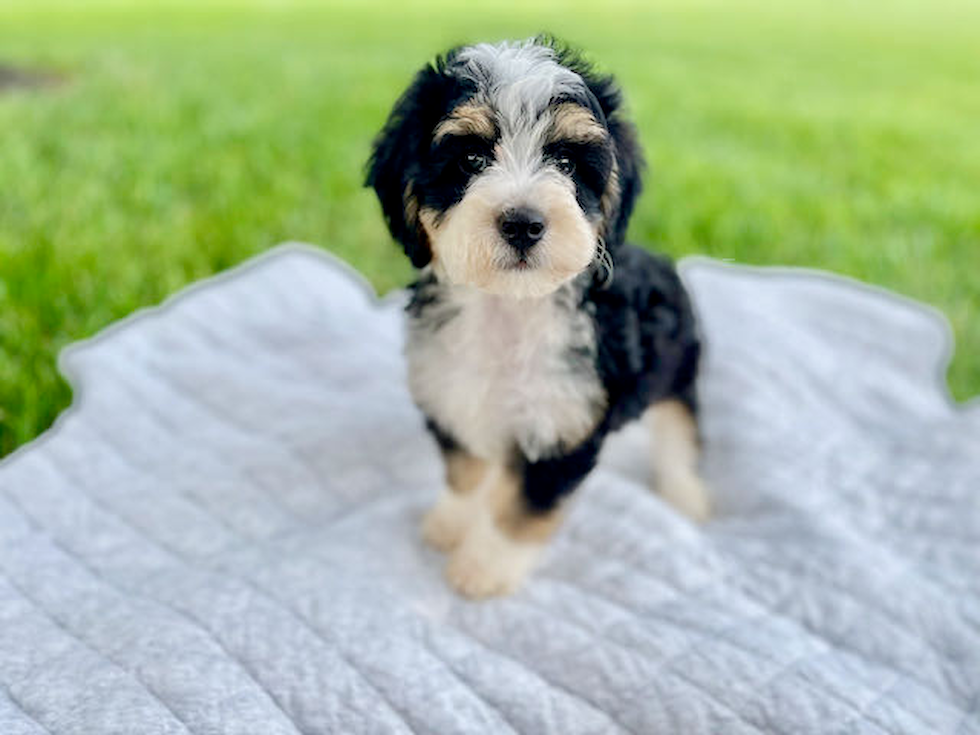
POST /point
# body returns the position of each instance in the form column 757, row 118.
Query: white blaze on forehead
column 518, row 79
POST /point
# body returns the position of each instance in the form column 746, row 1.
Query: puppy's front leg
column 445, row 525
column 503, row 541
column 521, row 509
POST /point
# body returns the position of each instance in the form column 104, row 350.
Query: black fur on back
column 648, row 351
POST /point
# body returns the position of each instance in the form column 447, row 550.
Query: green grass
column 829, row 134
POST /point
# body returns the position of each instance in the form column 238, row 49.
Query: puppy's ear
column 398, row 153
column 629, row 155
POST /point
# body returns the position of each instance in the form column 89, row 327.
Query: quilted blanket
column 220, row 536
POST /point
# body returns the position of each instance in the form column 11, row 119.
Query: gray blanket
column 220, row 536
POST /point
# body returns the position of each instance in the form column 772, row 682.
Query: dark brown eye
column 473, row 163
column 566, row 165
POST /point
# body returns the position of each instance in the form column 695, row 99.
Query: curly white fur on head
column 519, row 79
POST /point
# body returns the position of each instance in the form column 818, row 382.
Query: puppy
column 508, row 174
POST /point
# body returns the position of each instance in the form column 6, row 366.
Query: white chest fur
column 499, row 373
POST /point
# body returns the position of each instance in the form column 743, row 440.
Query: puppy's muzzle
column 521, row 228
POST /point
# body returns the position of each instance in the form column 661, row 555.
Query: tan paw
column 443, row 528
column 688, row 494
column 480, row 578
column 488, row 564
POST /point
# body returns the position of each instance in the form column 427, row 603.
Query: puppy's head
column 507, row 167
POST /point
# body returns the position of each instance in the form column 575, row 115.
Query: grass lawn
column 184, row 137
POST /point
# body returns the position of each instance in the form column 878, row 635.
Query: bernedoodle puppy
column 508, row 174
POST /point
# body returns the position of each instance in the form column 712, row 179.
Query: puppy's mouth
column 522, row 262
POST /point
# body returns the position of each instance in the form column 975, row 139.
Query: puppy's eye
column 566, row 165
column 473, row 163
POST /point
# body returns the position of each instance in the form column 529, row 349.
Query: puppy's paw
column 688, row 494
column 488, row 564
column 445, row 525
column 477, row 577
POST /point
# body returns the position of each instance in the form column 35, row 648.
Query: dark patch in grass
column 18, row 77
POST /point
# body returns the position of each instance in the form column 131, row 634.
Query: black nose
column 521, row 227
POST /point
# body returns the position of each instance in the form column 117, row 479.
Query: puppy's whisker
column 604, row 262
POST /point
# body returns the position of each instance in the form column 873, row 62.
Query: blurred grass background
column 182, row 137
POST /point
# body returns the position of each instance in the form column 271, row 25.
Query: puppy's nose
column 521, row 227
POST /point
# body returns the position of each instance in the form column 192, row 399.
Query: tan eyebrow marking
column 574, row 123
column 468, row 119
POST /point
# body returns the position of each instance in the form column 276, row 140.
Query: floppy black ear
column 397, row 156
column 629, row 155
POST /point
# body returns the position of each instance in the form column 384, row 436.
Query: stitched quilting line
column 195, row 623
column 886, row 547
column 270, row 497
column 51, row 460
column 877, row 696
column 776, row 611
column 526, row 665
column 181, row 560
column 532, row 671
column 309, row 370
column 638, row 565
column 448, row 668
column 142, row 471
column 669, row 662
column 221, row 416
column 861, row 603
column 279, row 604
column 467, row 684
column 34, row 524
column 522, row 664
column 244, row 429
column 164, row 380
column 864, row 713
column 242, row 541
column 900, row 624
column 314, row 373
column 209, row 409
column 330, row 645
column 100, row 654
column 225, row 346
column 522, row 600
column 22, row 708
column 707, row 635
column 816, row 634
column 839, row 646
column 248, row 334
column 720, row 702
